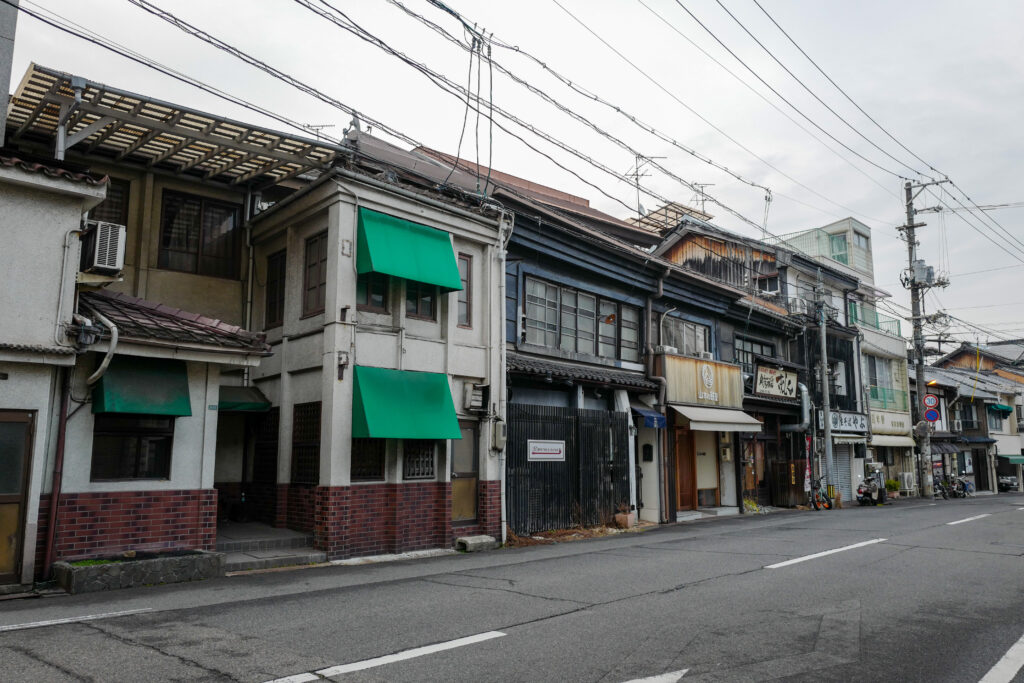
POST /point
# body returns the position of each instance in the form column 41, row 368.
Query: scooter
column 940, row 488
column 868, row 490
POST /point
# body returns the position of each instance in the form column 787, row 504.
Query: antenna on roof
column 636, row 174
column 316, row 128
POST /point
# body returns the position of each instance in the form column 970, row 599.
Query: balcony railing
column 884, row 398
column 861, row 315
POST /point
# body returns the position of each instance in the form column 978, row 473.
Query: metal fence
column 585, row 488
column 884, row 398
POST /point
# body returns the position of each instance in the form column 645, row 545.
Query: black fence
column 586, row 488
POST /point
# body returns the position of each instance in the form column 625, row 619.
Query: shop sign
column 807, row 466
column 545, row 451
column 775, row 382
column 845, row 422
column 702, row 381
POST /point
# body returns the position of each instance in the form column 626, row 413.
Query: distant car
column 1007, row 483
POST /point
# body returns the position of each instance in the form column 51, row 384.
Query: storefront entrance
column 686, row 470
column 15, row 447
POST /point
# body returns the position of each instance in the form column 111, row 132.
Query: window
column 466, row 295
column 839, row 248
column 276, row 265
column 314, row 284
column 879, row 372
column 372, row 292
column 570, row 320
column 306, row 443
column 420, row 300
column 113, row 209
column 965, row 413
column 768, row 283
column 746, row 349
column 690, row 338
column 368, row 459
column 199, row 235
column 131, row 447
column 995, row 421
column 861, row 241
column 417, row 459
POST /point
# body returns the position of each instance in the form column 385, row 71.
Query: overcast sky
column 943, row 77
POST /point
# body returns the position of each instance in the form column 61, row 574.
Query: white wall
column 650, row 488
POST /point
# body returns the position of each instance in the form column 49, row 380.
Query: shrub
column 892, row 485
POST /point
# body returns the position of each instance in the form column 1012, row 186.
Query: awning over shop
column 890, row 441
column 849, row 438
column 718, row 419
column 242, row 400
column 146, row 386
column 652, row 418
column 1013, row 459
column 944, row 448
column 979, row 439
column 399, row 404
column 394, row 246
column 1000, row 408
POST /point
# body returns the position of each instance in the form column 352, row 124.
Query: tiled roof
column 531, row 365
column 148, row 321
column 38, row 348
column 51, row 171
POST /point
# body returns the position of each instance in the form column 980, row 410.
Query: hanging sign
column 844, row 422
column 931, row 415
column 807, row 466
column 930, row 400
column 545, row 451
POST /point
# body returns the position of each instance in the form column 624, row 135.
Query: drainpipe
column 501, row 380
column 58, row 472
column 662, row 386
column 805, row 412
column 95, row 377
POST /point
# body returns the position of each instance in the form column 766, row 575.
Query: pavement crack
column 64, row 670
column 507, row 590
column 180, row 658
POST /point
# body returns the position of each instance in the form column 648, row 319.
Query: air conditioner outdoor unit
column 666, row 349
column 102, row 248
column 706, row 355
column 958, row 426
column 474, row 400
column 906, row 481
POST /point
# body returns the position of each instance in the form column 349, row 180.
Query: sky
column 942, row 77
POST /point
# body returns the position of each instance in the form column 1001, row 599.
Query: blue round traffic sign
column 931, row 415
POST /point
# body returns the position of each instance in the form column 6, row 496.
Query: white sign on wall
column 774, row 382
column 843, row 421
column 545, row 451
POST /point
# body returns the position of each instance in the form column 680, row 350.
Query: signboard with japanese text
column 843, row 421
column 775, row 382
column 545, row 451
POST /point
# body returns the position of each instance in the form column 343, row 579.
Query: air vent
column 103, row 248
column 474, row 400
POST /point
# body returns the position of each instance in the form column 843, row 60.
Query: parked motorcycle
column 940, row 488
column 869, row 490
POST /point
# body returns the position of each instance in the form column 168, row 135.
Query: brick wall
column 488, row 514
column 301, row 507
column 98, row 524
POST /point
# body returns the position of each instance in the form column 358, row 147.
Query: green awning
column 146, row 386
column 1013, row 459
column 394, row 246
column 1000, row 408
column 242, row 400
column 399, row 404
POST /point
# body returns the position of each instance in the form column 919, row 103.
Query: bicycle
column 819, row 498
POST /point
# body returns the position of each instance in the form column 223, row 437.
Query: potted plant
column 625, row 518
column 892, row 488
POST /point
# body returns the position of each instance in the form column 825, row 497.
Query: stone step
column 248, row 544
column 272, row 558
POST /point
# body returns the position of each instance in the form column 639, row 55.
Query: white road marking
column 1007, row 667
column 408, row 654
column 969, row 519
column 72, row 620
column 297, row 678
column 823, row 554
column 670, row 677
column 1020, row 508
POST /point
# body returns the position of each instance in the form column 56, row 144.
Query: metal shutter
column 841, row 457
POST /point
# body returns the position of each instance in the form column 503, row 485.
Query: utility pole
column 826, row 413
column 917, row 281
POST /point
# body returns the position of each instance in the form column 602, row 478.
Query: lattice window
column 306, row 443
column 418, row 459
column 368, row 458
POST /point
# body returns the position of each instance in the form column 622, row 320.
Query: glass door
column 465, row 473
column 15, row 446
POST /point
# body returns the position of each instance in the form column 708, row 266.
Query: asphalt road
column 934, row 601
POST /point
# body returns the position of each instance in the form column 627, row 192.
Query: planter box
column 143, row 570
column 625, row 520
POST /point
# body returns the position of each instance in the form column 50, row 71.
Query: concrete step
column 242, row 545
column 720, row 512
column 272, row 558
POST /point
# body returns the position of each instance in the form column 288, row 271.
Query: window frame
column 275, row 261
column 138, row 433
column 378, row 475
column 420, row 287
column 235, row 264
column 465, row 296
column 369, row 279
column 321, row 265
column 694, row 327
column 122, row 185
column 740, row 352
column 408, row 445
column 306, row 434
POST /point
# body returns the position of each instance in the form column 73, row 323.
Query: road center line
column 72, row 620
column 1007, row 667
column 408, row 654
column 823, row 554
column 969, row 519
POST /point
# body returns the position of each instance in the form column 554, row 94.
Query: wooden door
column 15, row 447
column 686, row 474
column 465, row 473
